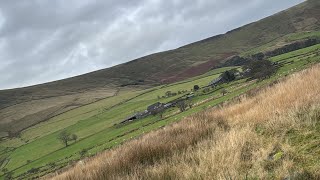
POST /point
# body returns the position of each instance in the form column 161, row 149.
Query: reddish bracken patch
column 195, row 70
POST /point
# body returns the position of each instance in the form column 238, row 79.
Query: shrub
column 224, row 92
column 4, row 170
column 196, row 87
column 83, row 153
column 52, row 164
column 8, row 176
column 33, row 170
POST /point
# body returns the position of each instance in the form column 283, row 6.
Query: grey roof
column 216, row 80
column 154, row 106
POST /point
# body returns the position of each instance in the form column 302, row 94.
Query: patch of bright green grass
column 300, row 53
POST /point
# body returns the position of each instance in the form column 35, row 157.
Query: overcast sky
column 46, row 40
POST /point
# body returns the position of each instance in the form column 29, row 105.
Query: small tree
column 224, row 92
column 182, row 105
column 161, row 114
column 228, row 76
column 168, row 93
column 64, row 137
column 8, row 175
column 83, row 152
column 4, row 170
column 196, row 87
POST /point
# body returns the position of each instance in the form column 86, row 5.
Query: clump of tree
column 33, row 170
column 292, row 47
column 196, row 88
column 183, row 105
column 65, row 136
column 260, row 70
column 228, row 76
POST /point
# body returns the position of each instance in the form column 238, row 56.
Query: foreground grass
column 273, row 135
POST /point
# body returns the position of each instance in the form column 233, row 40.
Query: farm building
column 155, row 106
column 216, row 81
column 227, row 76
column 136, row 116
column 129, row 119
column 168, row 105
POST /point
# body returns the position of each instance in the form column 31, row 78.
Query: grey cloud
column 47, row 40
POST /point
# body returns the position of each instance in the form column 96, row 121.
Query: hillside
column 99, row 126
column 191, row 60
column 271, row 135
column 107, row 111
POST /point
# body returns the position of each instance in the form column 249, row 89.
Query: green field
column 281, row 41
column 95, row 124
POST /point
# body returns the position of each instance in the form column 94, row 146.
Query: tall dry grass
column 241, row 141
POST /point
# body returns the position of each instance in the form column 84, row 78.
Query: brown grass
column 250, row 139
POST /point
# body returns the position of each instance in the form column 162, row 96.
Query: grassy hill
column 272, row 135
column 57, row 97
column 92, row 105
column 37, row 151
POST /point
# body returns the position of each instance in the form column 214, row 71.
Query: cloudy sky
column 46, row 40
